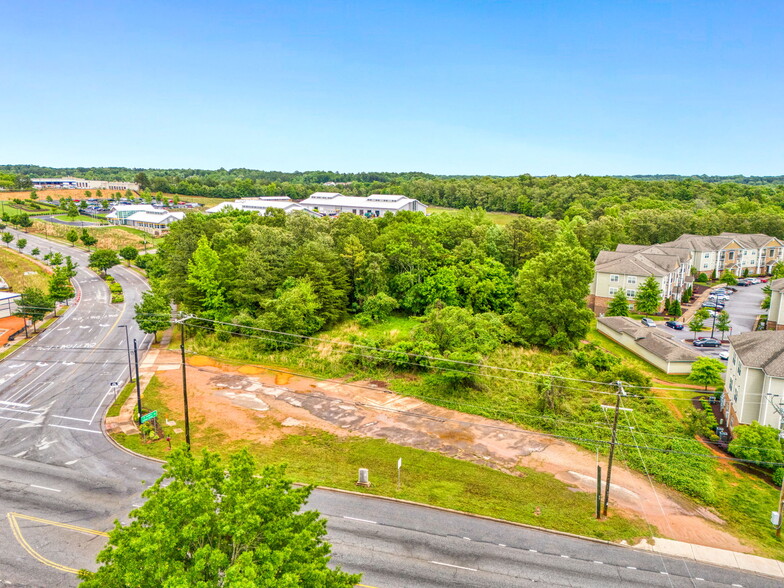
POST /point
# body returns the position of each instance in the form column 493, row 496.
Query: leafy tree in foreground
column 696, row 324
column 33, row 304
column 88, row 239
column 706, row 371
column 219, row 524
column 619, row 305
column 103, row 259
column 7, row 238
column 723, row 322
column 129, row 253
column 648, row 296
column 153, row 313
column 60, row 288
column 758, row 443
column 728, row 278
column 21, row 243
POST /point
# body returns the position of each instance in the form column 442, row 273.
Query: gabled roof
column 261, row 205
column 157, row 218
column 635, row 264
column 761, row 349
column 718, row 242
column 777, row 285
column 374, row 201
column 661, row 344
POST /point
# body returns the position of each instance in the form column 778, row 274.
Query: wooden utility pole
column 781, row 508
column 185, row 385
column 612, row 446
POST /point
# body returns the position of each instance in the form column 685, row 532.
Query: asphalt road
column 60, row 478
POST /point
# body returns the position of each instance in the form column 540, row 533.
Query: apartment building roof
column 659, row 343
column 717, row 242
column 639, row 263
column 761, row 349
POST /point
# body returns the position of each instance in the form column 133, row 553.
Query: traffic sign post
column 148, row 416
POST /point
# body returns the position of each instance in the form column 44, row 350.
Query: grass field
column 323, row 459
column 499, row 218
column 20, row 272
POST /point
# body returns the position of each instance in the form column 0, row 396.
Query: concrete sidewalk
column 714, row 556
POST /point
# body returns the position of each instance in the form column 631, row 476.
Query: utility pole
column 185, row 385
column 612, row 445
column 781, row 508
column 128, row 349
column 138, row 386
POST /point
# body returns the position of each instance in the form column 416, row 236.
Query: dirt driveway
column 247, row 402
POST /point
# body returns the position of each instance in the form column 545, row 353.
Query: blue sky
column 453, row 87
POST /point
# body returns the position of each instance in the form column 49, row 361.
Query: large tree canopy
column 208, row 523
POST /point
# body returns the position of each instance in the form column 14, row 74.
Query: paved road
column 59, row 477
column 55, row 463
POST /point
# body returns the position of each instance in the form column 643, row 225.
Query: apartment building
column 629, row 266
column 776, row 309
column 754, row 383
column 735, row 252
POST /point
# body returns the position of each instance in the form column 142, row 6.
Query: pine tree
column 649, row 296
column 619, row 305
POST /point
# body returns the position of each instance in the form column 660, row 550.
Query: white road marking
column 467, row 538
column 533, row 551
column 97, row 408
column 565, row 557
column 21, row 453
column 76, row 429
column 45, row 488
column 361, row 520
column 665, row 573
column 501, row 545
column 73, row 461
column 440, row 563
column 70, row 418
column 738, row 585
column 15, row 404
column 598, row 562
column 630, row 568
column 700, row 579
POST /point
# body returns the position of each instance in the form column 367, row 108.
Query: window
column 707, row 256
column 731, row 255
column 772, row 252
column 631, row 293
column 615, row 278
column 631, row 279
column 613, row 291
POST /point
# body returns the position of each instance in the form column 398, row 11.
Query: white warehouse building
column 261, row 205
column 331, row 203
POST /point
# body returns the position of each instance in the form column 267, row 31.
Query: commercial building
column 146, row 217
column 70, row 183
column 754, row 383
column 375, row 205
column 262, row 205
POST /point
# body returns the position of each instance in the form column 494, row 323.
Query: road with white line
column 62, row 483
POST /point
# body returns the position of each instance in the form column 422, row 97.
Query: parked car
column 647, row 322
column 743, row 282
column 764, row 280
column 753, row 280
column 706, row 342
column 675, row 325
column 725, row 355
column 713, row 304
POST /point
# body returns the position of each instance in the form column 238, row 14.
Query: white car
column 725, row 355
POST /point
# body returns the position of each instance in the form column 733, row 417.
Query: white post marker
column 399, row 465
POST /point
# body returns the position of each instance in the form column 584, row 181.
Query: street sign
column 114, row 384
column 148, row 416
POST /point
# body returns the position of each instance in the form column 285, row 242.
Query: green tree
column 219, row 524
column 72, row 236
column 36, row 251
column 295, row 309
column 706, row 371
column 55, row 259
column 70, row 266
column 21, row 244
column 7, row 238
column 60, row 288
column 23, row 220
column 87, row 239
column 758, row 443
column 71, row 210
column 619, row 305
column 648, row 296
column 379, row 307
column 778, row 271
column 83, row 205
column 153, row 313
column 103, row 259
column 33, row 304
column 33, row 195
column 675, row 308
column 728, row 278
column 703, row 277
column 551, row 288
column 204, row 269
column 696, row 324
column 723, row 322
column 129, row 253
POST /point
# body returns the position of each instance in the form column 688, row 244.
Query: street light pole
column 128, row 349
column 138, row 387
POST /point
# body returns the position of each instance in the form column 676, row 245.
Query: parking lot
column 743, row 308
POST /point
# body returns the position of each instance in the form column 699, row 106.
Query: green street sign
column 148, row 416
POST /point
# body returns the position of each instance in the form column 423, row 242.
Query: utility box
column 364, row 479
column 775, row 519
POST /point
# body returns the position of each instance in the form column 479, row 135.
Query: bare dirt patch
column 343, row 408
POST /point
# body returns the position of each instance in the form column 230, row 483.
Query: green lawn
column 499, row 218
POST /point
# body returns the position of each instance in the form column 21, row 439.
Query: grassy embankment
column 323, row 459
column 21, row 272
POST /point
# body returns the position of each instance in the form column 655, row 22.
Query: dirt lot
column 261, row 405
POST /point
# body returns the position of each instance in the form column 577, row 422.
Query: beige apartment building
column 754, row 383
column 629, row 266
column 735, row 252
column 776, row 309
